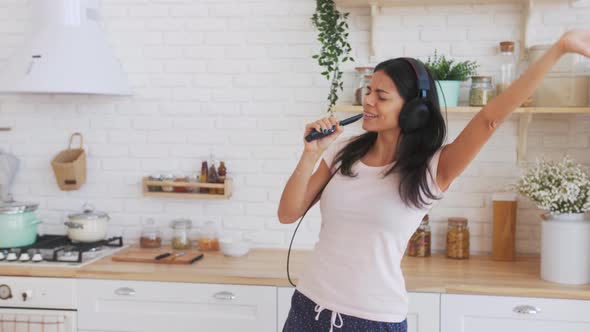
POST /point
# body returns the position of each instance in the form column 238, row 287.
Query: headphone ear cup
column 414, row 115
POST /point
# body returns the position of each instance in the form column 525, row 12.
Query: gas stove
column 59, row 250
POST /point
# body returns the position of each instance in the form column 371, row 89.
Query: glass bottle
column 507, row 66
column 180, row 234
column 481, row 91
column 221, row 174
column 458, row 238
column 212, row 178
column 360, row 83
column 419, row 245
column 204, row 178
column 150, row 235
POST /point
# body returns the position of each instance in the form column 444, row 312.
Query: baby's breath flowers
column 556, row 186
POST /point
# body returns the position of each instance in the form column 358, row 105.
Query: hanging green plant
column 333, row 36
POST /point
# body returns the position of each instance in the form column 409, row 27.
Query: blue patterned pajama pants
column 306, row 316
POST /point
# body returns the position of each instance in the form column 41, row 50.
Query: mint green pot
column 18, row 229
column 450, row 90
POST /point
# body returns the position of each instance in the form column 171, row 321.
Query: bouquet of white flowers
column 559, row 187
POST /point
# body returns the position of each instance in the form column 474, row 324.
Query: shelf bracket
column 523, row 128
column 375, row 9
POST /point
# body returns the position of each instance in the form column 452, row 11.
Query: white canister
column 564, row 249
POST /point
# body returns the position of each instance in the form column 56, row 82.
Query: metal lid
column 13, row 207
column 481, row 79
column 89, row 213
column 181, row 223
column 457, row 221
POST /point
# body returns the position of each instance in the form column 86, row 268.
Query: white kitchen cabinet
column 284, row 295
column 478, row 313
column 139, row 306
column 423, row 311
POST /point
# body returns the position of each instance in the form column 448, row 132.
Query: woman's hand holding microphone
column 325, row 126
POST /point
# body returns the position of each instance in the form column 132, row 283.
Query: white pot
column 565, row 249
column 88, row 226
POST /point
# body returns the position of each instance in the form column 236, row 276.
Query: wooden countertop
column 477, row 275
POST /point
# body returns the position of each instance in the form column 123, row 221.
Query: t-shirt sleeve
column 433, row 166
column 330, row 153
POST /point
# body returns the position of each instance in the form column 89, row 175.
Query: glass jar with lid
column 150, row 237
column 507, row 66
column 180, row 235
column 209, row 237
column 361, row 83
column 419, row 245
column 481, row 91
column 458, row 238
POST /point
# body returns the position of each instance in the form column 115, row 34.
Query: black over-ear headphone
column 416, row 112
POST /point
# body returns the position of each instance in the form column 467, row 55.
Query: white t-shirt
column 355, row 267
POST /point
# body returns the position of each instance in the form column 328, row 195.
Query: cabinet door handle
column 526, row 310
column 125, row 291
column 226, row 296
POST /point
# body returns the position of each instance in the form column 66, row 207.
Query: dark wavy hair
column 414, row 150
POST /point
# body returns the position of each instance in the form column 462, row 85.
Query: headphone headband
column 421, row 76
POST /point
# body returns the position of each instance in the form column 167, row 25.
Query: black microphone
column 315, row 134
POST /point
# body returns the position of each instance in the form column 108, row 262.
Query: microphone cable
column 299, row 223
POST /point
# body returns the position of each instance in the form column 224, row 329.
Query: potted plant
column 561, row 188
column 333, row 36
column 448, row 75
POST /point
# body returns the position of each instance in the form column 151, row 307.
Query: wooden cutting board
column 140, row 255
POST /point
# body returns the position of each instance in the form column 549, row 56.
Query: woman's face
column 382, row 104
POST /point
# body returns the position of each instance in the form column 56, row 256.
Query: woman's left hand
column 576, row 41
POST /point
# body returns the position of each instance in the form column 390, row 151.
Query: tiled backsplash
column 236, row 78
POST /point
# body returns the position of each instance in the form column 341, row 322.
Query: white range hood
column 66, row 52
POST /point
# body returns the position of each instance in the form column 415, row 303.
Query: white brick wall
column 236, row 78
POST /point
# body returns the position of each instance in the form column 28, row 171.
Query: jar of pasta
column 419, row 245
column 458, row 238
column 481, row 91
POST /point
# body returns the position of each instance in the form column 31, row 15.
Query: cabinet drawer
column 158, row 306
column 477, row 313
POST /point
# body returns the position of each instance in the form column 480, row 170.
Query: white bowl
column 234, row 247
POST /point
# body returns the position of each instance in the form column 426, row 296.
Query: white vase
column 565, row 249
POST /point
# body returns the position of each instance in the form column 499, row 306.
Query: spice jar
column 419, row 245
column 458, row 238
column 150, row 235
column 155, row 177
column 168, row 178
column 209, row 237
column 180, row 236
column 221, row 174
column 180, row 189
column 361, row 83
column 481, row 91
column 204, row 177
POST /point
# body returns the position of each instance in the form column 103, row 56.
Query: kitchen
column 235, row 81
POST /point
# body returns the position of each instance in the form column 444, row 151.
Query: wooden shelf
column 525, row 118
column 469, row 109
column 226, row 186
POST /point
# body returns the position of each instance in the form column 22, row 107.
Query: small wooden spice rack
column 226, row 186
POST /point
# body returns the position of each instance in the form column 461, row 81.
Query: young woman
column 387, row 179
